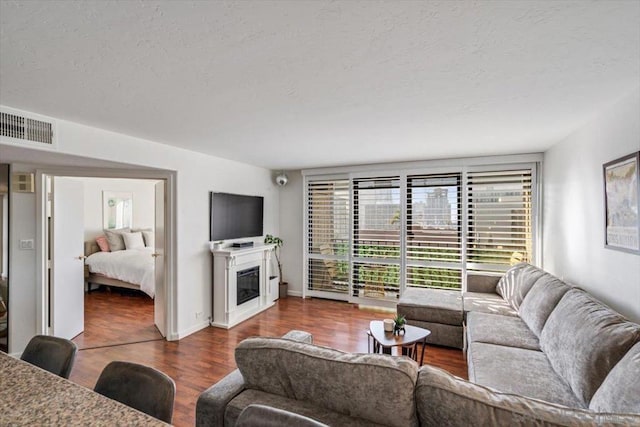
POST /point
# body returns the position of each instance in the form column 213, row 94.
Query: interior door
column 160, row 301
column 67, row 257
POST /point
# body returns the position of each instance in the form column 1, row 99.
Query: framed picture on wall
column 622, row 203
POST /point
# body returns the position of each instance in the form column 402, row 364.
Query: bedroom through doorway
column 110, row 297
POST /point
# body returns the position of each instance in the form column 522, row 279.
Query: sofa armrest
column 486, row 283
column 300, row 336
column 213, row 401
column 443, row 399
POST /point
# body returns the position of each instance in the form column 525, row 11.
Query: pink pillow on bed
column 103, row 244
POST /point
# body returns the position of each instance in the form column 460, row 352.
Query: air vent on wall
column 20, row 127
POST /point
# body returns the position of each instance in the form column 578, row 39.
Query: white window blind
column 499, row 219
column 434, row 240
column 376, row 237
column 373, row 234
column 328, row 235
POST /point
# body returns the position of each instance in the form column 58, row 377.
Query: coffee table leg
column 424, row 344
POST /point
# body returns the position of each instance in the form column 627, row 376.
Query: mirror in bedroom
column 117, row 209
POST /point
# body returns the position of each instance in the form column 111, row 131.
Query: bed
column 131, row 268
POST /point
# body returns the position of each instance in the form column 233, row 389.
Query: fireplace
column 241, row 285
column 248, row 284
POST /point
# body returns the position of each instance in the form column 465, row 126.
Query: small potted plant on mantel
column 282, row 285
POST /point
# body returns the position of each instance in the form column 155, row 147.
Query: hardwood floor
column 115, row 317
column 201, row 359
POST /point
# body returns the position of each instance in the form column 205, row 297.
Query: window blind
column 328, row 235
column 499, row 219
column 433, row 230
column 376, row 236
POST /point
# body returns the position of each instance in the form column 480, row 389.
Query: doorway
column 108, row 310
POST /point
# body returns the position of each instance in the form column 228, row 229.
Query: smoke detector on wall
column 282, row 179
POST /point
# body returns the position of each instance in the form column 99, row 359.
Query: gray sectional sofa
column 539, row 353
column 535, row 336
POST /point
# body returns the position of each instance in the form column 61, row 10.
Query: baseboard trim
column 192, row 330
column 294, row 294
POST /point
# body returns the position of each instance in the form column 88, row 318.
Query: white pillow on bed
column 133, row 240
column 148, row 238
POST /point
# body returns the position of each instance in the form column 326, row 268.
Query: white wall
column 143, row 191
column 573, row 204
column 197, row 175
column 291, row 232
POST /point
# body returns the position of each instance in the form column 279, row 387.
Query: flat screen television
column 234, row 216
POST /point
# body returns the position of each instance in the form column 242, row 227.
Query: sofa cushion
column 357, row 385
column 516, row 283
column 268, row 416
column 584, row 339
column 541, row 300
column 501, row 330
column 306, row 409
column 482, row 282
column 487, row 303
column 620, row 390
column 445, row 400
column 518, row 371
column 441, row 334
column 432, row 305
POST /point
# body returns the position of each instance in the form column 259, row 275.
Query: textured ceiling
column 289, row 85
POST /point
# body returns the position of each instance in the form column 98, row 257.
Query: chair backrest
column 141, row 387
column 52, row 354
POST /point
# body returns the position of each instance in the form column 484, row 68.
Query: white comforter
column 132, row 265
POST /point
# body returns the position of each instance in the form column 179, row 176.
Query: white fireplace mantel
column 227, row 262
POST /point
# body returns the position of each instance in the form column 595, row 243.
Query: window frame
column 403, row 171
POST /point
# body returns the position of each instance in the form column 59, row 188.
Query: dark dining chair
column 140, row 387
column 52, row 354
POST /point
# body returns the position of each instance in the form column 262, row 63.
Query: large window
column 370, row 236
column 434, row 231
column 328, row 235
column 499, row 225
column 376, row 237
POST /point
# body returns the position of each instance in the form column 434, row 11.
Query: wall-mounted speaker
column 22, row 182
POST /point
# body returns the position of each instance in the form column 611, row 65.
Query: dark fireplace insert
column 248, row 284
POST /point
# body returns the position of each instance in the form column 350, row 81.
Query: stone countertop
column 32, row 396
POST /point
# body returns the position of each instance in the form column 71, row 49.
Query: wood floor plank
column 116, row 317
column 201, row 359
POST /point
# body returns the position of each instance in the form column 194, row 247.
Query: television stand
column 247, row 244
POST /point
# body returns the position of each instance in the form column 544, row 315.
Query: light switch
column 26, row 244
